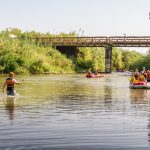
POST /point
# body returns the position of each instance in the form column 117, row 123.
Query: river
column 74, row 112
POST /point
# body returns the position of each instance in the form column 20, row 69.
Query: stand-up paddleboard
column 10, row 99
column 11, row 96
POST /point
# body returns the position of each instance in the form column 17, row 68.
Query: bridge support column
column 108, row 58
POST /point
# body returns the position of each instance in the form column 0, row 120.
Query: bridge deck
column 114, row 41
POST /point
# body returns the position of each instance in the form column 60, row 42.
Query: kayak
column 94, row 76
column 136, row 86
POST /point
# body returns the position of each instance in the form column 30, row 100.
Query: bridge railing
column 130, row 41
column 79, row 41
column 114, row 41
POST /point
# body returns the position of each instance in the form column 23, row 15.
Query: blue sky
column 94, row 17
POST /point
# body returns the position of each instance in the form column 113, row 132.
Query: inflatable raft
column 140, row 86
column 94, row 76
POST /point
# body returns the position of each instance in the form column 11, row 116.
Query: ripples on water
column 73, row 112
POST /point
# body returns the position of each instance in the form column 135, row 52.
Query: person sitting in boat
column 136, row 72
column 96, row 72
column 132, row 78
column 148, row 75
column 89, row 73
column 10, row 82
column 145, row 74
column 136, row 79
column 143, row 69
column 141, row 77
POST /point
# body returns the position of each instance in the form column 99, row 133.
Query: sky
column 86, row 17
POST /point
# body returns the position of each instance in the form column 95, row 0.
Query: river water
column 74, row 112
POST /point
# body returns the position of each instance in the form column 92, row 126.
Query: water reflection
column 148, row 127
column 107, row 94
column 10, row 106
column 75, row 112
column 140, row 100
column 139, row 96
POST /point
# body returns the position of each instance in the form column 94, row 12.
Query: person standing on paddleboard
column 10, row 82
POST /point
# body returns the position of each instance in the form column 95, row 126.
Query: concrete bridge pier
column 108, row 58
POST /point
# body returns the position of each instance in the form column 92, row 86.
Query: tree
column 117, row 58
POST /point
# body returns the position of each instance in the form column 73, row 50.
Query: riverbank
column 21, row 54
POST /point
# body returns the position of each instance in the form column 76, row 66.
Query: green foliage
column 8, row 60
column 95, row 58
column 125, row 59
column 91, row 57
column 24, row 56
column 141, row 62
column 22, row 53
column 131, row 59
column 84, row 59
column 117, row 59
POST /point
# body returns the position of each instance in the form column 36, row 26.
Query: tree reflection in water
column 107, row 94
column 139, row 96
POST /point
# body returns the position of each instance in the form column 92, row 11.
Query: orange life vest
column 9, row 82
